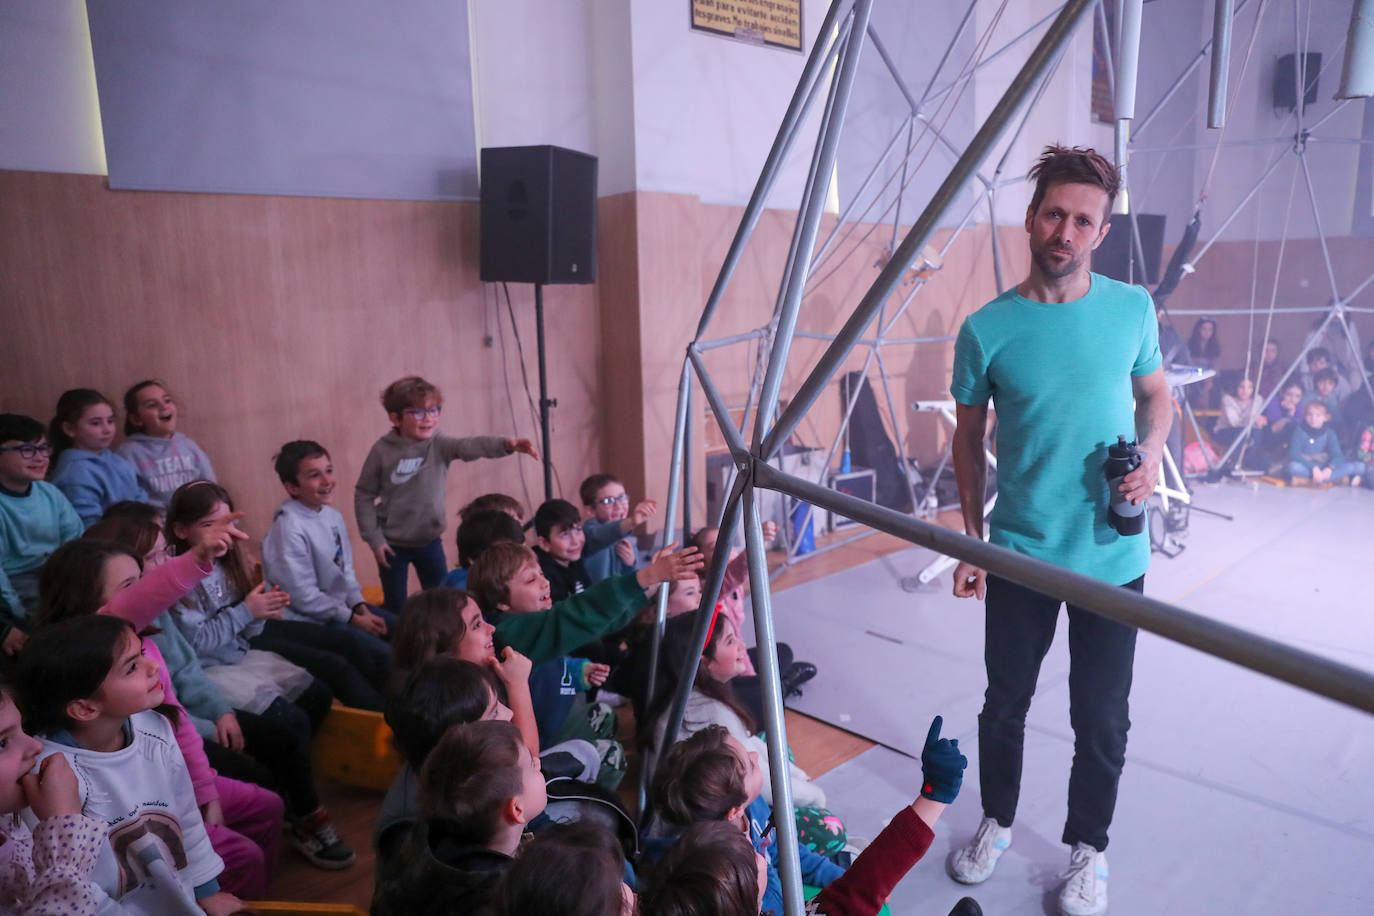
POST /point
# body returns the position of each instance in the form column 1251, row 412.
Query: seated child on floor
column 610, row 550
column 711, row 776
column 90, row 576
column 713, row 702
column 276, row 701
column 35, row 519
column 326, row 628
column 164, row 458
column 713, row 862
column 559, row 542
column 494, row 502
column 480, row 788
column 84, row 469
column 1314, row 454
column 513, row 592
column 437, row 695
column 47, row 869
column 478, row 530
column 88, row 691
column 1239, row 409
column 574, row 869
column 734, row 588
column 447, row 623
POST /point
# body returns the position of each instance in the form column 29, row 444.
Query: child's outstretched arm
column 604, row 608
column 471, row 448
column 901, row 844
column 147, row 598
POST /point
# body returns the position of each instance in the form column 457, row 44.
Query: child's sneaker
column 974, row 863
column 315, row 838
column 1085, row 886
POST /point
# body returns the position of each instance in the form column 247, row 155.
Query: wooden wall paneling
column 281, row 318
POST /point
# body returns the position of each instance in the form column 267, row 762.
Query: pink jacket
column 140, row 604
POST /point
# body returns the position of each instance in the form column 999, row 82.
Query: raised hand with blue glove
column 942, row 766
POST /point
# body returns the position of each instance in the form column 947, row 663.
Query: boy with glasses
column 35, row 519
column 609, row 549
column 399, row 497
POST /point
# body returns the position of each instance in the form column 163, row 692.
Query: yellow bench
column 354, row 747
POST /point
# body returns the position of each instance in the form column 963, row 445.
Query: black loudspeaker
column 538, row 215
column 1286, row 80
column 1113, row 257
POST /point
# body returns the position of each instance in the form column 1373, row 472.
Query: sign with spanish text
column 766, row 22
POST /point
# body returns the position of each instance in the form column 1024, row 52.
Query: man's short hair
column 490, row 575
column 699, row 779
column 16, row 427
column 287, row 463
column 592, row 485
column 1317, row 353
column 1074, row 165
column 556, row 513
column 411, row 391
column 470, row 774
column 480, row 530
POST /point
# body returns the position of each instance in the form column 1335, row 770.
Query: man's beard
column 1053, row 270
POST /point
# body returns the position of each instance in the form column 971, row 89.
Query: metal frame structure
column 842, row 32
column 1295, row 144
column 919, row 126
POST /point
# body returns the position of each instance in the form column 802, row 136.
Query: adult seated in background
column 1204, row 351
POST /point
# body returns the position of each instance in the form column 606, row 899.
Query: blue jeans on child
column 1020, row 628
column 430, row 566
column 1304, row 469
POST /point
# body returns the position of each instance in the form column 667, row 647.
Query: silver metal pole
column 787, row 131
column 1240, row 206
column 704, row 345
column 1221, row 64
column 710, row 593
column 1178, row 82
column 794, row 281
column 1317, row 221
column 789, row 860
column 738, row 450
column 1058, row 33
column 1342, row 683
column 1127, row 58
column 1357, row 72
column 669, row 523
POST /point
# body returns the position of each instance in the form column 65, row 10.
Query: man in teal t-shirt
column 1070, row 360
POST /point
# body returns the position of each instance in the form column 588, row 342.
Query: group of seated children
column 174, row 691
column 1317, row 429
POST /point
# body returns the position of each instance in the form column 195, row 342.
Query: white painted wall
column 706, row 108
column 49, row 118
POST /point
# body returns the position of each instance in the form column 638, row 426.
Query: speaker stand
column 544, row 402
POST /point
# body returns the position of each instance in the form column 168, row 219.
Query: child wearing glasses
column 609, row 550
column 399, row 497
column 35, row 519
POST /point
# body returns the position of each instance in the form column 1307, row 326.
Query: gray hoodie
column 307, row 553
column 165, row 464
column 399, row 498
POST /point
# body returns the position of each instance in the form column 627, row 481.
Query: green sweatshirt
column 399, row 498
column 575, row 621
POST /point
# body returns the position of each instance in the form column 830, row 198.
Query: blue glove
column 942, row 766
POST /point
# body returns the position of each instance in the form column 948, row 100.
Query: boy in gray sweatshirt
column 399, row 498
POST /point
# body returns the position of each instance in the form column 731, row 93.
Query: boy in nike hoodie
column 399, row 498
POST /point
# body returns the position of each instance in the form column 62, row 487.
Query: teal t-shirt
column 1059, row 377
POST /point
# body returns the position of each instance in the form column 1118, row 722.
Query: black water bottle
column 1123, row 515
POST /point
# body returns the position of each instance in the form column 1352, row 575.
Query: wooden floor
column 817, row 746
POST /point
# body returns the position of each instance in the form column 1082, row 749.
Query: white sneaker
column 1085, row 886
column 974, row 863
